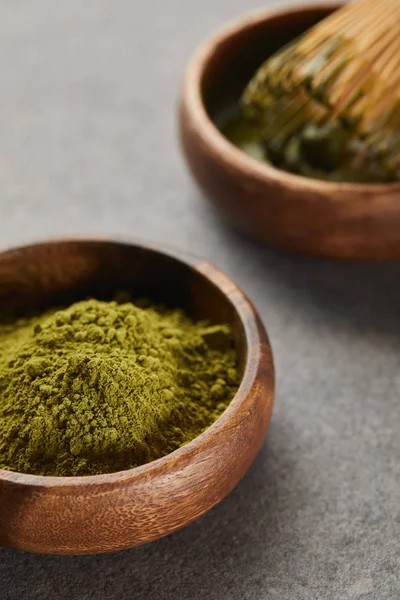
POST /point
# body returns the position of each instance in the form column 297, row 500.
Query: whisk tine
column 345, row 70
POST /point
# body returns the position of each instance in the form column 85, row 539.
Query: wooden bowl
column 333, row 220
column 77, row 515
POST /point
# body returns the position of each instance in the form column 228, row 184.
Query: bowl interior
column 62, row 272
column 235, row 57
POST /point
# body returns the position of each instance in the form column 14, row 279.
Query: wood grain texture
column 339, row 221
column 76, row 515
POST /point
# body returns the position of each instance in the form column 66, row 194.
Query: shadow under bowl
column 345, row 221
column 99, row 513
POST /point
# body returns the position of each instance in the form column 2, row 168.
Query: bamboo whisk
column 342, row 77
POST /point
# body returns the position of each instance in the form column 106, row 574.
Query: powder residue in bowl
column 314, row 152
column 105, row 386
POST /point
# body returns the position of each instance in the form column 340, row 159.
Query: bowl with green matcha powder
column 135, row 390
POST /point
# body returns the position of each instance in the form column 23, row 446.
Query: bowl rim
column 233, row 157
column 250, row 322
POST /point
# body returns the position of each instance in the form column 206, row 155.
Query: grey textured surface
column 88, row 145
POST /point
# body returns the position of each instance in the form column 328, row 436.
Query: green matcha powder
column 104, row 386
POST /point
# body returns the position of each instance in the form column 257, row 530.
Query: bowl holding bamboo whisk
column 338, row 220
column 101, row 513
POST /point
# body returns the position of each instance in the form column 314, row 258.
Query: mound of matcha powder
column 105, row 386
